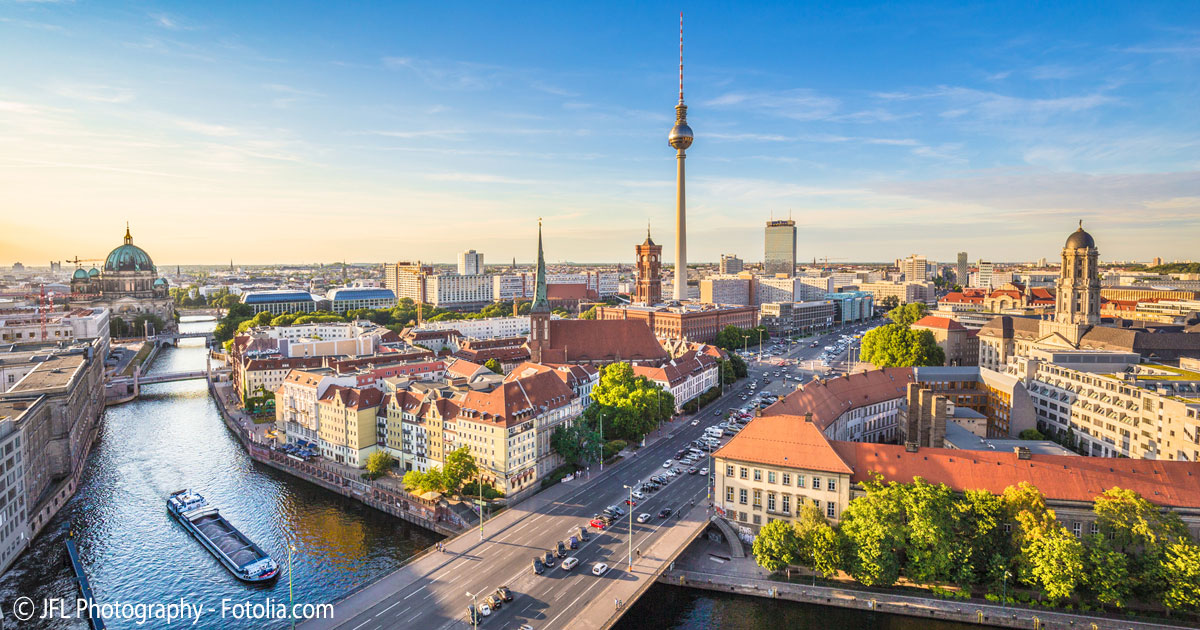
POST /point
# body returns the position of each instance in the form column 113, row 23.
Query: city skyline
column 197, row 123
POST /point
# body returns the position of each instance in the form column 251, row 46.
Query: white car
column 696, row 422
column 599, row 568
column 668, row 464
column 638, row 495
column 643, row 518
column 704, row 471
column 671, row 473
column 569, row 563
column 485, row 610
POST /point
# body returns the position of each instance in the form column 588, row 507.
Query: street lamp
column 475, row 608
column 630, row 488
column 479, row 504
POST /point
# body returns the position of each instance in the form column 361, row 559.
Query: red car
column 597, row 523
column 630, row 503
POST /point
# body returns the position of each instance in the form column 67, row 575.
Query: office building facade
column 779, row 248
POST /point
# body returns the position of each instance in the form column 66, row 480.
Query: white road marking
column 389, row 608
column 414, row 592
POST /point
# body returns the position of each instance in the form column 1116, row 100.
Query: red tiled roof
column 352, row 397
column 956, row 297
column 463, row 367
column 941, row 323
column 566, row 291
column 678, row 370
column 604, row 341
column 1058, row 477
column 829, row 399
column 508, row 404
column 784, row 440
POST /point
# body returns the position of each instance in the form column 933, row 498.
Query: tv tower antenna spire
column 681, row 56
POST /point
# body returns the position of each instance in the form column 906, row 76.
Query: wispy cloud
column 797, row 104
column 207, row 129
column 476, row 178
column 93, row 93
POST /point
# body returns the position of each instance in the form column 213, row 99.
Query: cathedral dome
column 79, row 274
column 128, row 257
column 93, row 273
column 1080, row 239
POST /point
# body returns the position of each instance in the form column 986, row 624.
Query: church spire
column 128, row 236
column 540, row 303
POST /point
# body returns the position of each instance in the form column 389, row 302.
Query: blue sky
column 317, row 132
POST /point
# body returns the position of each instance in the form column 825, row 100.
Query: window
column 816, row 483
column 728, row 470
column 728, row 494
column 742, row 495
column 787, row 504
column 770, row 476
column 829, row 509
column 799, row 481
column 743, row 472
column 758, row 499
column 757, row 475
column 1095, row 528
column 1008, row 528
column 1076, row 528
column 757, row 519
column 787, row 479
column 770, row 501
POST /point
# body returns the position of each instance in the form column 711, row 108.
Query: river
column 173, row 438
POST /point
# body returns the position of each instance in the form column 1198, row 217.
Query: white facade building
column 470, row 263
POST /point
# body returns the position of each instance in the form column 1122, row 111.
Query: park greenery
column 119, row 328
column 898, row 345
column 458, row 468
column 735, row 338
column 379, row 463
column 1005, row 547
column 625, row 408
column 494, row 366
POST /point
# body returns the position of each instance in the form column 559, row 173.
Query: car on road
column 630, row 503
column 599, row 568
column 704, row 471
column 643, row 517
column 503, row 593
column 569, row 563
column 573, row 542
column 560, row 550
column 696, row 422
column 597, row 523
column 484, row 609
column 664, row 513
column 668, row 464
column 716, row 413
column 493, row 602
column 548, row 559
column 692, row 471
column 671, row 473
column 618, row 509
column 638, row 495
column 473, row 616
column 538, row 567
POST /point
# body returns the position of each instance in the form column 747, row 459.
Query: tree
column 1056, row 559
column 1138, row 528
column 458, row 468
column 419, row 482
column 494, row 365
column 984, row 550
column 931, row 547
column 908, row 314
column 631, row 405
column 775, row 546
column 1031, row 434
column 379, row 462
column 576, row 442
column 1181, row 566
column 1106, row 572
column 873, row 527
column 739, row 365
column 889, row 302
column 588, row 314
column 897, row 345
column 819, row 545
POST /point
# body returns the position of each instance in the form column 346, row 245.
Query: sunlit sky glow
column 297, row 132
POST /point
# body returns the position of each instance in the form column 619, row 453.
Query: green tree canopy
column 908, row 314
column 630, row 405
column 775, row 546
column 494, row 365
column 458, row 468
column 819, row 547
column 897, row 345
column 577, row 442
column 421, row 482
column 873, row 528
column 379, row 462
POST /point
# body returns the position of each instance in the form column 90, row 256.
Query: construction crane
column 826, row 259
column 44, row 300
column 75, row 261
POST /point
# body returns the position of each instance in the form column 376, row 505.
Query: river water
column 173, row 438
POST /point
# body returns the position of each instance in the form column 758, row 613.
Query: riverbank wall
column 403, row 506
column 947, row 610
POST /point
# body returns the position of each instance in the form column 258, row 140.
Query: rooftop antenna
column 681, row 56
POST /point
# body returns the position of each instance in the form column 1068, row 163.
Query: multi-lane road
column 438, row 598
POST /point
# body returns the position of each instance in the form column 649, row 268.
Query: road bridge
column 172, row 338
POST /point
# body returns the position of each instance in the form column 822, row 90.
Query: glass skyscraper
column 780, row 248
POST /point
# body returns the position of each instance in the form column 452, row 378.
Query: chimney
column 910, row 447
column 808, row 417
column 1022, row 452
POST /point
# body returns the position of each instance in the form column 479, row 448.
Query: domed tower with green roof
column 128, row 285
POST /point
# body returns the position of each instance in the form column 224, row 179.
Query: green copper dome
column 128, row 257
column 79, row 274
column 94, row 273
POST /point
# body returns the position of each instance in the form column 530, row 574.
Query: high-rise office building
column 962, row 271
column 470, row 263
column 915, row 268
column 985, row 275
column 730, row 264
column 779, row 248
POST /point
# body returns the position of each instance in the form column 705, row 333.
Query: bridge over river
column 431, row 592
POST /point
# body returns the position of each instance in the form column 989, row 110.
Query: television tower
column 680, row 139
